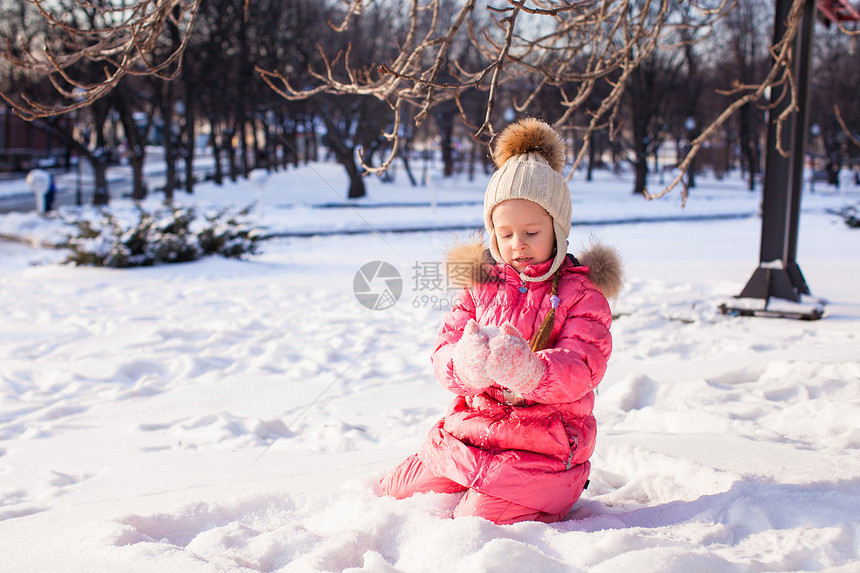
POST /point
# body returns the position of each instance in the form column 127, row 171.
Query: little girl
column 523, row 347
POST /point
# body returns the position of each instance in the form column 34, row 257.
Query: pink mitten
column 512, row 364
column 470, row 357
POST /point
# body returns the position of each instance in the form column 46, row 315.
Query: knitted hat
column 530, row 155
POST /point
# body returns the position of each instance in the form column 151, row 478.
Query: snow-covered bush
column 225, row 234
column 167, row 235
column 851, row 215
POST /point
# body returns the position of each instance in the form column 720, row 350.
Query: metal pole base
column 813, row 313
column 776, row 280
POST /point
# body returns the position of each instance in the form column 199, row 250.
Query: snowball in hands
column 490, row 331
column 470, row 357
column 511, row 363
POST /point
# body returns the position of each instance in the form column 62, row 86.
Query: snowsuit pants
column 412, row 477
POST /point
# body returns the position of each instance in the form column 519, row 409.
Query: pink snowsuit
column 526, row 460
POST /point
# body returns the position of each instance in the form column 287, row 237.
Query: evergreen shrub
column 169, row 234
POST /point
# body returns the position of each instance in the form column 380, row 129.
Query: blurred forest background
column 197, row 77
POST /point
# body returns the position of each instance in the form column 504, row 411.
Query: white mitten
column 470, row 357
column 512, row 364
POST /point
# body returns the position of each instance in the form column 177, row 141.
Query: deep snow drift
column 236, row 415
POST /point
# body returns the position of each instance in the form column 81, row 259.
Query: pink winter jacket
column 535, row 452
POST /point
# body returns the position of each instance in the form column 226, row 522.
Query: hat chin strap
column 556, row 264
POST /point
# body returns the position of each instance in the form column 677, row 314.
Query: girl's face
column 524, row 233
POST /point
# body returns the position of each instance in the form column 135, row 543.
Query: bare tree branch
column 511, row 53
column 569, row 46
column 852, row 137
column 87, row 35
column 778, row 76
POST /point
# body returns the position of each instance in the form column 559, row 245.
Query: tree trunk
column 100, row 192
column 231, row 155
column 99, row 160
column 272, row 147
column 214, row 140
column 640, row 165
column 257, row 161
column 345, row 155
column 691, row 170
column 312, row 145
column 136, row 137
column 218, row 176
column 641, row 170
column 446, row 134
column 136, row 161
column 190, row 136
column 749, row 149
column 99, row 157
column 473, row 158
column 834, row 165
column 241, row 126
column 592, row 155
column 169, row 144
column 691, row 175
column 357, row 189
column 135, row 140
column 291, row 148
column 242, row 102
column 279, row 142
column 169, row 160
column 404, row 155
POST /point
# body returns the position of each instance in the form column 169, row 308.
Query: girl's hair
column 540, row 339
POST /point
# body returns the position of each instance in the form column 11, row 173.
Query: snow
column 232, row 415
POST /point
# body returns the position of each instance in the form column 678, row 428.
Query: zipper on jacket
column 523, row 288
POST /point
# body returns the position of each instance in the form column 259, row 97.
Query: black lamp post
column 778, row 274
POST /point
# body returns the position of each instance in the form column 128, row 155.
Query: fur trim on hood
column 469, row 261
column 605, row 269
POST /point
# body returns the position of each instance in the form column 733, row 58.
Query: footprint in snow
column 634, row 392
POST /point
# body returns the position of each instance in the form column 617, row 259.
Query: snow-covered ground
column 236, row 415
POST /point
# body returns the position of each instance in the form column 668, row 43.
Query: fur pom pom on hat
column 530, row 156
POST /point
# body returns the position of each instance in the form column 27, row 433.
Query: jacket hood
column 469, row 263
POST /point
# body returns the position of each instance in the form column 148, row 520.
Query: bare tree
column 834, row 102
column 649, row 94
column 571, row 48
column 551, row 44
column 126, row 100
column 84, row 50
column 120, row 39
column 566, row 46
column 742, row 55
column 353, row 124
